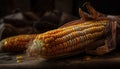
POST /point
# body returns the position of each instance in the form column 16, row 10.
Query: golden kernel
column 19, row 57
column 19, row 61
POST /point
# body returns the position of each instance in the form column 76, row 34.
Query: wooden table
column 80, row 61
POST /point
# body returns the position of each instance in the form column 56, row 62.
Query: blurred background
column 38, row 16
column 69, row 6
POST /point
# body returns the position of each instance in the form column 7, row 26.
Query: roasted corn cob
column 62, row 41
column 16, row 43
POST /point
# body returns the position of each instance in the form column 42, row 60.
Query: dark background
column 104, row 6
column 70, row 6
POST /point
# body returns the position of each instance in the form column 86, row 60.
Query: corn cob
column 66, row 40
column 16, row 43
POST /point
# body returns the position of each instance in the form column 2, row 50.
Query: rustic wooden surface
column 80, row 61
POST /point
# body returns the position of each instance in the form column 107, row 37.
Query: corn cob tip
column 35, row 48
